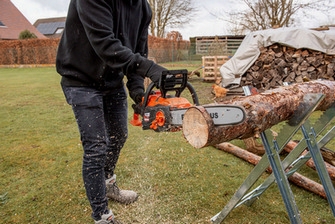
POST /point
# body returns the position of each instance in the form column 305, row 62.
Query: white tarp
column 249, row 49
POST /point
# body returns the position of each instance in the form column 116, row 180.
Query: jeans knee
column 95, row 156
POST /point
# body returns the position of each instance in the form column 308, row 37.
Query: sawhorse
column 282, row 169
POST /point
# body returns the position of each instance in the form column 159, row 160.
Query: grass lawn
column 40, row 166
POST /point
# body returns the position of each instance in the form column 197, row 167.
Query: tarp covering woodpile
column 250, row 49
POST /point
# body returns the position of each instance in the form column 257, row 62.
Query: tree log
column 295, row 178
column 327, row 154
column 310, row 163
column 257, row 148
column 263, row 111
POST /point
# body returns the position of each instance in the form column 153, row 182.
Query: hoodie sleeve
column 97, row 19
column 135, row 84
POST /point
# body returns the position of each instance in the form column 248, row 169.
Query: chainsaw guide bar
column 221, row 115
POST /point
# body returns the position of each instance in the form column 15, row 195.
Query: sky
column 203, row 23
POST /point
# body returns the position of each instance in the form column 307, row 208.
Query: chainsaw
column 163, row 109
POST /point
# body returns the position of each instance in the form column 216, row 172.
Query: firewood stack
column 278, row 64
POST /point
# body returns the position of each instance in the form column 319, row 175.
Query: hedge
column 43, row 51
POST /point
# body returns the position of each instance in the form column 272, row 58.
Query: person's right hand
column 137, row 108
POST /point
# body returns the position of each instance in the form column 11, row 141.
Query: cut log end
column 195, row 124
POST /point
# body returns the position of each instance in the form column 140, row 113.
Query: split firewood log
column 263, row 111
column 295, row 178
column 279, row 63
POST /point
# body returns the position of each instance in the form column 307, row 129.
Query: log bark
column 257, row 148
column 263, row 111
column 295, row 178
column 328, row 155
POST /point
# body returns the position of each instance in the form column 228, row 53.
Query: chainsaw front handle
column 166, row 86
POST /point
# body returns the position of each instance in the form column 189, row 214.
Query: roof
column 13, row 22
column 51, row 27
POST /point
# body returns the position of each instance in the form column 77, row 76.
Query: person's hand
column 155, row 73
column 137, row 95
column 137, row 108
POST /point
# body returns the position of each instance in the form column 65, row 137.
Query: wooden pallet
column 211, row 67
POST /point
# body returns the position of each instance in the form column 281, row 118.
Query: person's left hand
column 137, row 97
column 155, row 73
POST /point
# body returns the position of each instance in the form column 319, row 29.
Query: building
column 13, row 22
column 51, row 27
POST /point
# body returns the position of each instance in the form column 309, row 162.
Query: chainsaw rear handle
column 172, row 80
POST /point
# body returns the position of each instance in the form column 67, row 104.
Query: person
column 103, row 42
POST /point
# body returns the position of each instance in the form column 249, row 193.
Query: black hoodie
column 102, row 41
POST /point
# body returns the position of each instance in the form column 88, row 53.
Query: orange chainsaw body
column 173, row 102
column 162, row 111
column 157, row 114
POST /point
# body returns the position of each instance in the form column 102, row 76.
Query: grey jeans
column 102, row 120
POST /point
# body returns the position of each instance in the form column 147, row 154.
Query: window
column 59, row 30
column 1, row 24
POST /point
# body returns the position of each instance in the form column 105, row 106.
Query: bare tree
column 169, row 14
column 265, row 14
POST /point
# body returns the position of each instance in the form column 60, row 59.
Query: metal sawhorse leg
column 300, row 121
